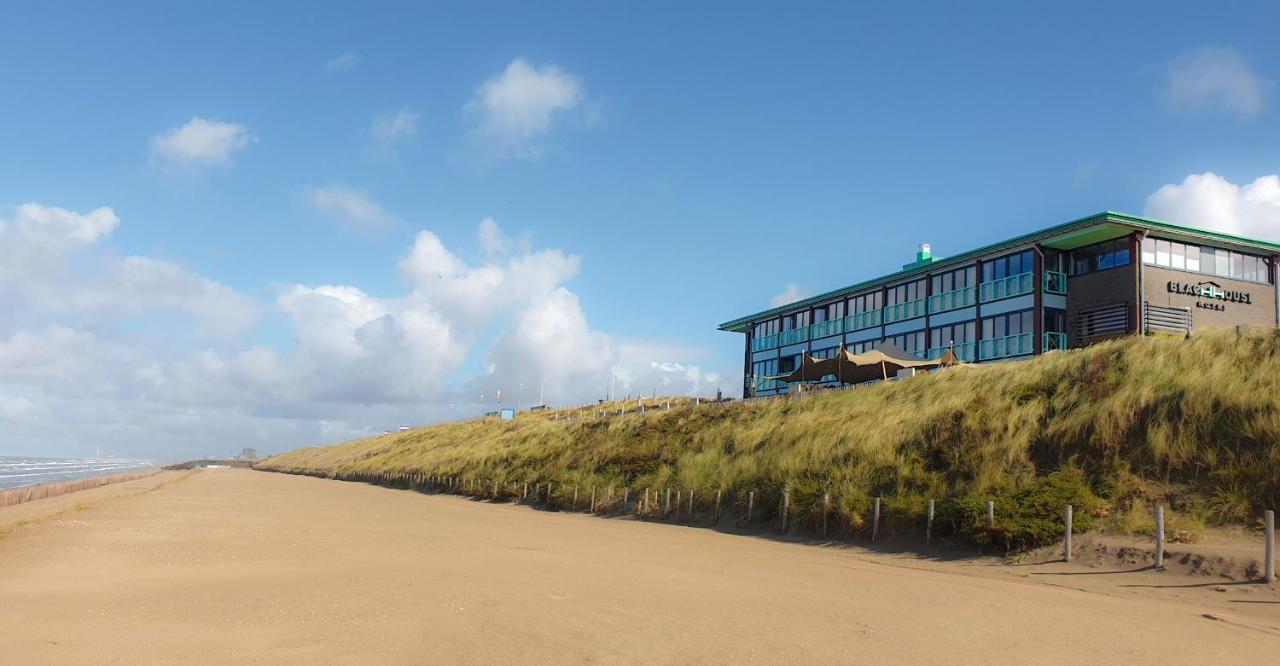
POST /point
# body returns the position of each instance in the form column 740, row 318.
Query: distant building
column 249, row 454
column 1067, row 286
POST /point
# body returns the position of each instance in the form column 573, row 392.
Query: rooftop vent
column 923, row 256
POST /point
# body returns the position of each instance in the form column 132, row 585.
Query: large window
column 945, row 336
column 859, row 347
column 909, row 342
column 1206, row 260
column 865, row 303
column 953, row 280
column 828, row 312
column 788, row 363
column 796, row 320
column 1013, row 323
column 1100, row 256
column 829, row 352
column 767, row 368
column 765, row 328
column 1012, row 264
column 905, row 293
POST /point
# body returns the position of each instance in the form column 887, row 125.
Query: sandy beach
column 241, row 566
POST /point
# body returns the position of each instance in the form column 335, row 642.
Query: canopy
column 879, row 363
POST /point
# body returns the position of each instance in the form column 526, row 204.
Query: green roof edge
column 740, row 324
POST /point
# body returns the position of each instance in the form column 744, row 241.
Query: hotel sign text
column 1212, row 295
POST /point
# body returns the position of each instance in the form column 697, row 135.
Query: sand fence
column 31, row 493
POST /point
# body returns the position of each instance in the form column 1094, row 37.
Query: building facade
column 1067, row 286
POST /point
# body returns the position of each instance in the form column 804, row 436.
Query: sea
column 20, row 471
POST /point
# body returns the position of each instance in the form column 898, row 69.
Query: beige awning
column 880, row 363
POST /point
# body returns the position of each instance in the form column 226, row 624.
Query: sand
column 242, row 566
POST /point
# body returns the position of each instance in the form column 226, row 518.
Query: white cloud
column 92, row 358
column 1216, row 79
column 1210, row 201
column 391, row 127
column 199, row 143
column 790, row 294
column 352, row 209
column 515, row 109
column 343, row 63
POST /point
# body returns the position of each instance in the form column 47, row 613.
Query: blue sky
column 677, row 161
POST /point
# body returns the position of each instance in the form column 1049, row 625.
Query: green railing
column 904, row 311
column 1014, row 285
column 769, row 385
column 953, row 300
column 964, row 351
column 825, row 328
column 1009, row 345
column 793, row 336
column 1055, row 282
column 764, row 342
column 1054, row 341
column 861, row 320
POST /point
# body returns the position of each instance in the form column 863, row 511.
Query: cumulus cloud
column 342, row 63
column 93, row 360
column 352, row 209
column 199, row 143
column 1218, row 80
column 514, row 110
column 1211, row 201
column 790, row 294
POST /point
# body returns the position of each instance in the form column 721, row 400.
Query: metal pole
column 1159, row 536
column 875, row 521
column 1066, row 537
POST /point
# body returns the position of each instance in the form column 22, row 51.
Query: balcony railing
column 861, row 320
column 953, row 300
column 904, row 311
column 1055, row 283
column 1054, row 341
column 769, row 385
column 965, row 351
column 825, row 328
column 1009, row 345
column 1014, row 285
column 764, row 342
column 793, row 336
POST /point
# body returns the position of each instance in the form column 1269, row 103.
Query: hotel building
column 1067, row 286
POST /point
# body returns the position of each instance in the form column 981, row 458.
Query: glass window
column 1222, row 263
column 1237, row 265
column 1148, row 250
column 1178, row 256
column 1162, row 252
column 1193, row 258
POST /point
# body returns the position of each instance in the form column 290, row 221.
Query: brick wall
column 1095, row 290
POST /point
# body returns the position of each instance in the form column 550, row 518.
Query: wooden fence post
column 525, row 496
column 751, row 500
column 991, row 515
column 626, row 492
column 691, row 505
column 826, row 511
column 679, row 495
column 786, row 503
column 1160, row 536
column 875, row 520
column 575, row 499
column 1066, row 537
column 928, row 526
column 718, row 491
column 1269, row 525
column 668, row 504
column 593, row 499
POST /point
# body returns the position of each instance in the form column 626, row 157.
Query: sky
column 275, row 225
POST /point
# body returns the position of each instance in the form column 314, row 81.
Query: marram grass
column 1193, row 423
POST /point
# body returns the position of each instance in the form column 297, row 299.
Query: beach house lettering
column 1210, row 295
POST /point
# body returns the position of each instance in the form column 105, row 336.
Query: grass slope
column 1111, row 429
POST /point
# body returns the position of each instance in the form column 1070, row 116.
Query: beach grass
column 1193, row 424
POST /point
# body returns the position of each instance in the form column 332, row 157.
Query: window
column 953, row 280
column 788, row 364
column 1008, row 265
column 859, row 347
column 1207, row 260
column 865, row 303
column 905, row 293
column 1055, row 321
column 945, row 336
column 828, row 312
column 796, row 320
column 1103, row 256
column 765, row 328
column 1013, row 323
column 909, row 342
column 765, row 368
column 829, row 352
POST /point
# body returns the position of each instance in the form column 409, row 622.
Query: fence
column 782, row 508
column 32, row 493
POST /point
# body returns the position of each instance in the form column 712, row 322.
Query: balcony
column 793, row 336
column 1055, row 283
column 953, row 300
column 964, row 351
column 1054, row 341
column 861, row 320
column 1009, row 345
column 768, row 385
column 1014, row 285
column 904, row 311
column 764, row 342
column 823, row 329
